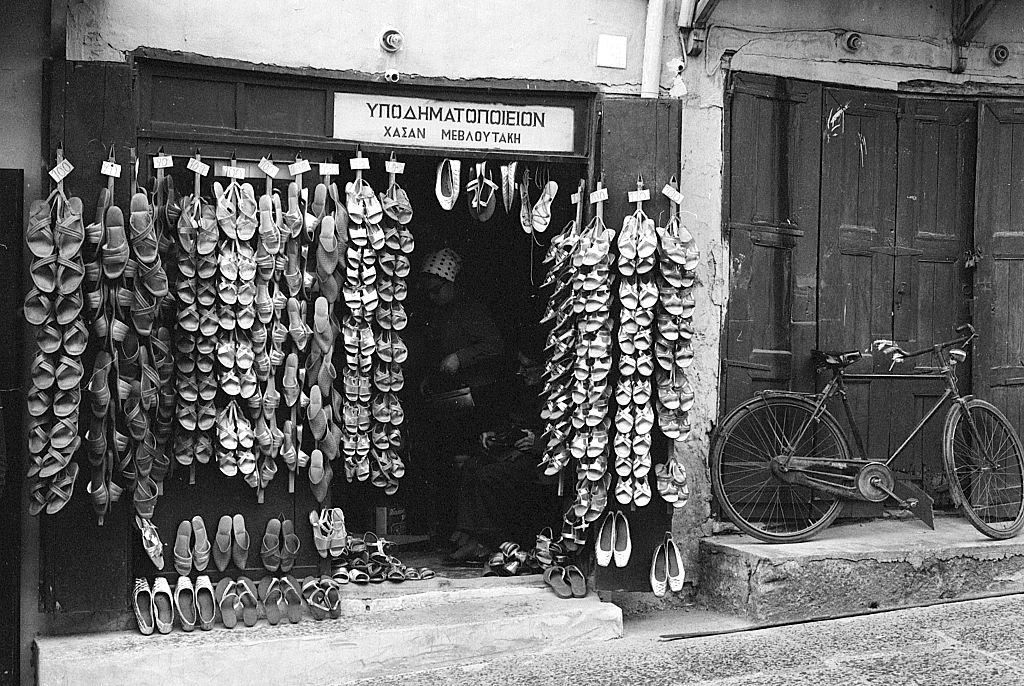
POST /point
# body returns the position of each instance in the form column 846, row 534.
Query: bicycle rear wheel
column 750, row 494
column 985, row 470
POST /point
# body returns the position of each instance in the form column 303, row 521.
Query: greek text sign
column 427, row 123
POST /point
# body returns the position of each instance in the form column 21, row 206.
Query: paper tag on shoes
column 110, row 169
column 232, row 172
column 163, row 162
column 198, row 167
column 394, row 167
column 359, row 163
column 299, row 167
column 575, row 197
column 599, row 196
column 62, row 169
column 329, row 169
column 639, row 196
column 268, row 168
column 672, row 194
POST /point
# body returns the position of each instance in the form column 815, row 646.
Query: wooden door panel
column 935, row 215
column 858, row 208
column 772, row 196
column 999, row 239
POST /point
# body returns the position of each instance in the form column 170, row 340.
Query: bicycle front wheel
column 985, row 467
column 749, row 492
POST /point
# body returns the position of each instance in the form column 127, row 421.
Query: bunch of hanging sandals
column 645, row 273
column 678, row 257
column 579, row 386
column 55, row 235
column 107, row 278
column 482, row 192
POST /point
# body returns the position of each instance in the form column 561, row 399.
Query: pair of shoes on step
column 156, row 606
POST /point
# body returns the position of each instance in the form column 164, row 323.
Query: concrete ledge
column 877, row 564
column 397, row 635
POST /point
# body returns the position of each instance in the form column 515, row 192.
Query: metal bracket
column 968, row 16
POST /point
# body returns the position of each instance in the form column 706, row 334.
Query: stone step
column 382, row 631
column 856, row 567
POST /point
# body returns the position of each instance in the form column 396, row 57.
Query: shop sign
column 428, row 123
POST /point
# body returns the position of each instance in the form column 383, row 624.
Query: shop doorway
column 12, row 183
column 850, row 218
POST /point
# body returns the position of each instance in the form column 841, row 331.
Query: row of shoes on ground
column 200, row 604
column 55, row 235
column 511, row 560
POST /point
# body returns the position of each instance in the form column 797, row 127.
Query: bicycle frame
column 798, row 468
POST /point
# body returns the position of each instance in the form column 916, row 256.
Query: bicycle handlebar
column 899, row 354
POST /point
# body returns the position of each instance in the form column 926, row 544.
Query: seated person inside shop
column 499, row 478
column 455, row 357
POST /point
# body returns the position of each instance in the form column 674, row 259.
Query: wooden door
column 772, row 226
column 932, row 284
column 999, row 279
column 856, row 244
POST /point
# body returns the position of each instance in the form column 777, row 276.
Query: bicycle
column 781, row 466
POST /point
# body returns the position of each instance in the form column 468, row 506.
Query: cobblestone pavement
column 971, row 643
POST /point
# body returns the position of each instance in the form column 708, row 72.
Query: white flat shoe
column 674, row 560
column 605, row 544
column 622, row 545
column 447, row 185
column 659, row 572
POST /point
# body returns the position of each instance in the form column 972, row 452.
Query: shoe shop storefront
column 296, row 334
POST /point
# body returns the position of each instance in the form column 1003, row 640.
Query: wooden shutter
column 85, row 568
column 638, row 136
column 999, row 279
column 773, row 148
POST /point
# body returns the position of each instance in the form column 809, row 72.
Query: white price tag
column 299, row 167
column 394, row 167
column 110, row 169
column 268, row 168
column 62, row 169
column 163, row 162
column 598, row 196
column 575, row 198
column 232, row 172
column 359, row 163
column 639, row 196
column 672, row 194
column 329, row 169
column 201, row 168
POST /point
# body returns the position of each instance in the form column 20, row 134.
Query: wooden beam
column 966, row 27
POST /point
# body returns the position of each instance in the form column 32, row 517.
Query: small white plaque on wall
column 611, row 51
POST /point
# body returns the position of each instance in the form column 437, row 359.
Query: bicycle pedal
column 916, row 501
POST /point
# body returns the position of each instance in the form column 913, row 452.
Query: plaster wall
column 515, row 39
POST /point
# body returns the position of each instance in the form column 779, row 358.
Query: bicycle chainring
column 875, row 481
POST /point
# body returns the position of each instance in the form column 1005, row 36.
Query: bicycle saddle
column 834, row 359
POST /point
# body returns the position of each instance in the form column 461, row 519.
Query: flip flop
column 292, row 594
column 246, row 590
column 271, row 594
column 227, row 601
